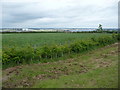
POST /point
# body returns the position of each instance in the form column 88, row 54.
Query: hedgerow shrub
column 116, row 36
column 29, row 54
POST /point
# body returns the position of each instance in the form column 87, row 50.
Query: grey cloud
column 40, row 14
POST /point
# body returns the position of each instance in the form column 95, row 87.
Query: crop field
column 39, row 39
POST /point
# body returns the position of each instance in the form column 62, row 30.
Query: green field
column 39, row 39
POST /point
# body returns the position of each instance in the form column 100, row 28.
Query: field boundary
column 14, row 56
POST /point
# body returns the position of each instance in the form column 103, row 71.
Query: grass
column 93, row 79
column 93, row 69
column 39, row 39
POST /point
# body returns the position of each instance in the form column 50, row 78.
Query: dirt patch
column 10, row 71
column 103, row 64
column 13, row 69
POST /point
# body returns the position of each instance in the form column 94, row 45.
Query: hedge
column 29, row 53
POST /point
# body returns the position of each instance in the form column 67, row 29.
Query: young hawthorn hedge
column 28, row 54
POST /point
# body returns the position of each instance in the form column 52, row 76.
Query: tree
column 100, row 28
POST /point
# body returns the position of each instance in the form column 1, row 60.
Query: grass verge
column 93, row 69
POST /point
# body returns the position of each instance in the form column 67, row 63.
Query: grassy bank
column 93, row 69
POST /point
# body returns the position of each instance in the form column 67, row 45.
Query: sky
column 59, row 13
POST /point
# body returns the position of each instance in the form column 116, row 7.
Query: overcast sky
column 60, row 13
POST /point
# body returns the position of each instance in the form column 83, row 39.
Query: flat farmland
column 69, row 60
column 39, row 39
